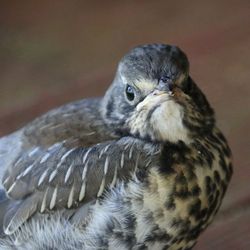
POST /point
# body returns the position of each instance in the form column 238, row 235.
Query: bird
column 143, row 167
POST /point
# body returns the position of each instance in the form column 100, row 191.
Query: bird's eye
column 130, row 92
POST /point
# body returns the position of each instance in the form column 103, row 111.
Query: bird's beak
column 165, row 86
column 155, row 98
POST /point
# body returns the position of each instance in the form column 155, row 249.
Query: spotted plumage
column 144, row 167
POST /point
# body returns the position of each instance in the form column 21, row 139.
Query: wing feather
column 68, row 177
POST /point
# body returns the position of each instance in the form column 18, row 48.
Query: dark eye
column 130, row 92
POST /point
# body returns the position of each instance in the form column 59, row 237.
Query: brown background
column 52, row 52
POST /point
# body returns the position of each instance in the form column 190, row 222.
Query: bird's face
column 154, row 98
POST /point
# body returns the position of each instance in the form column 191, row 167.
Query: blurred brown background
column 52, row 52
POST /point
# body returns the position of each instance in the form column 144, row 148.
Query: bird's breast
column 181, row 202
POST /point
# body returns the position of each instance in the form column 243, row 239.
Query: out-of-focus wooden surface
column 54, row 52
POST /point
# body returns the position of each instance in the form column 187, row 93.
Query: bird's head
column 153, row 97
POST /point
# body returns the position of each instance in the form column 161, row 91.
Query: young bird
column 144, row 167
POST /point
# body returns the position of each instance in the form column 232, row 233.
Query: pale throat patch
column 166, row 120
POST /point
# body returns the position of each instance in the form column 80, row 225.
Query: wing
column 64, row 176
column 80, row 121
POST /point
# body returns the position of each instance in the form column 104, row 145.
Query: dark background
column 52, row 52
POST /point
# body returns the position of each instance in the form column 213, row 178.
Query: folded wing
column 67, row 176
